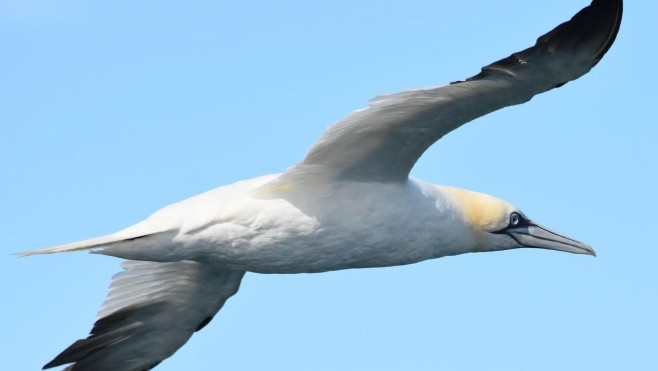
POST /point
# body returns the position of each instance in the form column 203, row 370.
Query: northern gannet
column 349, row 204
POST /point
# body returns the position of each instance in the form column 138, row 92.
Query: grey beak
column 533, row 235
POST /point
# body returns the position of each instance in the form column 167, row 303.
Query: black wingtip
column 588, row 35
column 106, row 332
column 616, row 10
column 593, row 28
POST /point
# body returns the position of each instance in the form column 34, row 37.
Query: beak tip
column 586, row 250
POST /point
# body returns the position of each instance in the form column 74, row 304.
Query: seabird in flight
column 349, row 204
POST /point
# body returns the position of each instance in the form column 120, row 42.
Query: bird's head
column 499, row 225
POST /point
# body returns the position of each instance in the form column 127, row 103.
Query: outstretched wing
column 152, row 309
column 383, row 142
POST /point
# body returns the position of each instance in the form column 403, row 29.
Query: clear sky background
column 110, row 110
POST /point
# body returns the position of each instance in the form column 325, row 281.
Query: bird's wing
column 383, row 142
column 152, row 309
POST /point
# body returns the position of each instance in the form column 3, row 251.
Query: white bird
column 348, row 204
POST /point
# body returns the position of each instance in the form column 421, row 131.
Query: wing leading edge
column 383, row 142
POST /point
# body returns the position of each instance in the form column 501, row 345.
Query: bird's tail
column 123, row 244
column 90, row 244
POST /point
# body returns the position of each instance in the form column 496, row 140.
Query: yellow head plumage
column 483, row 212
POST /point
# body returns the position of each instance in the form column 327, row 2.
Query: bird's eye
column 514, row 219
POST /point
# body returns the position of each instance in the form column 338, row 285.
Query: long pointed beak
column 533, row 235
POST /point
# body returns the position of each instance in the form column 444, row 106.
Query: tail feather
column 90, row 244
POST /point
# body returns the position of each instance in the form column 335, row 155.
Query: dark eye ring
column 514, row 219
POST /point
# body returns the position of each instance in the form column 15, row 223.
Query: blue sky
column 113, row 109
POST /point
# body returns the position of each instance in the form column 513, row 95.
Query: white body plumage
column 309, row 228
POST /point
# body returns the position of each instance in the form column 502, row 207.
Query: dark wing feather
column 151, row 311
column 383, row 142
